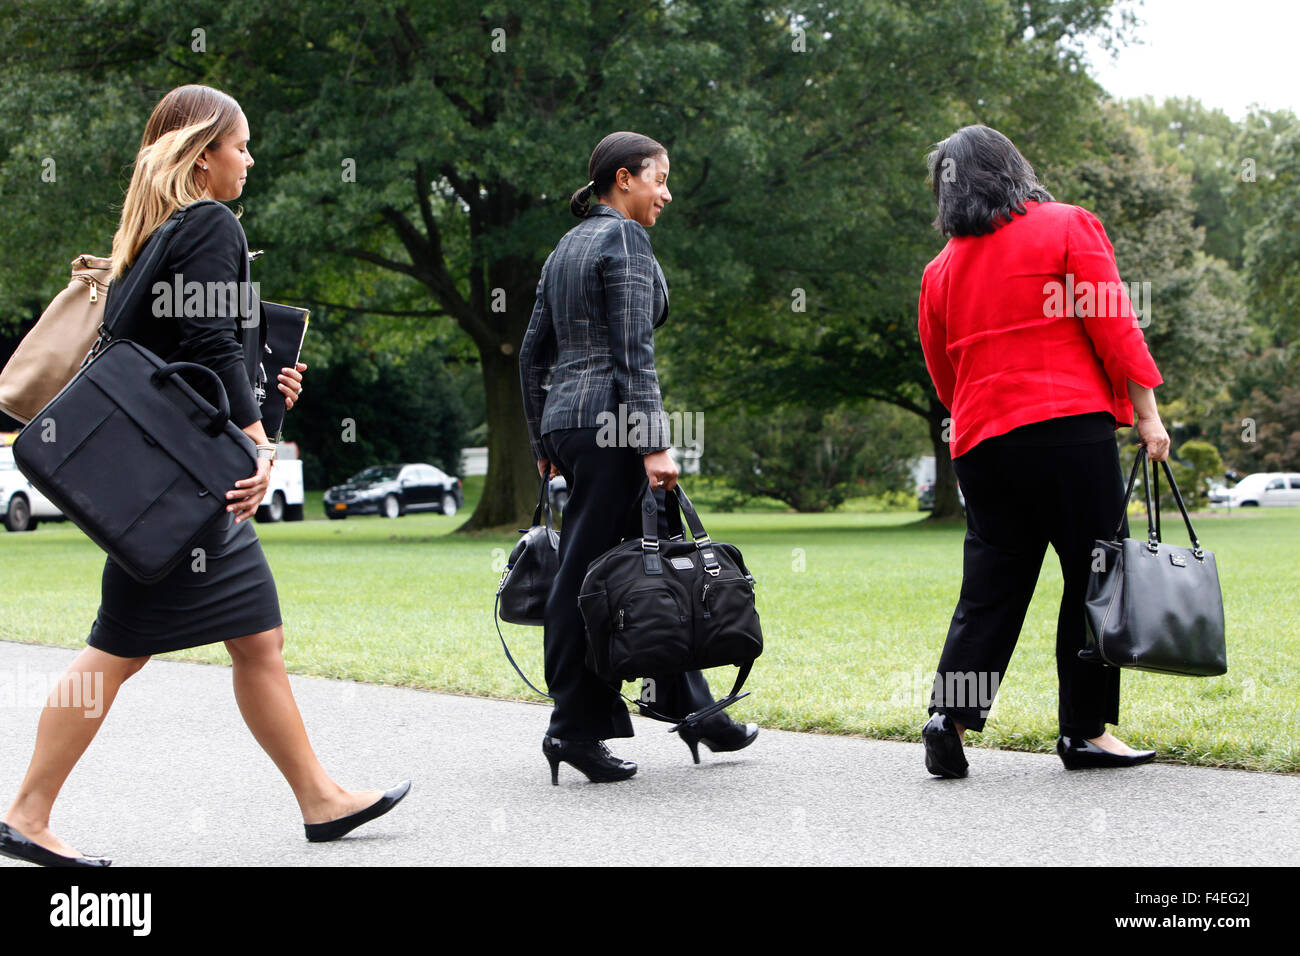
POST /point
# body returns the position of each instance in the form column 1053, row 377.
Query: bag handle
column 217, row 416
column 1197, row 550
column 1151, row 491
column 542, row 513
column 650, row 529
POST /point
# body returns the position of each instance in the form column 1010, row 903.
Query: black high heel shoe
column 14, row 844
column 593, row 759
column 1079, row 753
column 333, row 829
column 732, row 737
column 944, row 756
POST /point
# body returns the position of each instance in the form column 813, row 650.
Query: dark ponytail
column 616, row 151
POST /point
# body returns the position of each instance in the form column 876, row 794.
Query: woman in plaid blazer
column 587, row 368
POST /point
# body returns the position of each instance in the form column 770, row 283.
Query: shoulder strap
column 121, row 291
column 510, row 657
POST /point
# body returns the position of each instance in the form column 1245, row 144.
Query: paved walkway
column 175, row 778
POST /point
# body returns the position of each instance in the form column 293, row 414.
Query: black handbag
column 666, row 607
column 531, row 567
column 1153, row 606
column 128, row 450
column 137, row 458
column 529, row 573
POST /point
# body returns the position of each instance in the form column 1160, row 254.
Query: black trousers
column 604, row 486
column 1022, row 493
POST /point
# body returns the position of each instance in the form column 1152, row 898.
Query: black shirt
column 208, row 249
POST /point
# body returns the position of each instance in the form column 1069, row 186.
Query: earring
column 624, row 189
column 205, row 167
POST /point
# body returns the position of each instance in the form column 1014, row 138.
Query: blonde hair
column 185, row 122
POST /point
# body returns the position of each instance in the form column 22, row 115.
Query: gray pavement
column 174, row 778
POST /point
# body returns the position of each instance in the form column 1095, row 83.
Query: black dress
column 227, row 591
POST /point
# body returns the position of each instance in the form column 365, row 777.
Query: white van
column 22, row 507
column 1265, row 488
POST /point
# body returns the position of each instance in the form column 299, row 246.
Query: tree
column 1203, row 463
column 417, row 158
column 813, row 459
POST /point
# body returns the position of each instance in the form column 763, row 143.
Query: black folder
column 286, row 327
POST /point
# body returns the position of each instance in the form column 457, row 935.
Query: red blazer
column 1030, row 323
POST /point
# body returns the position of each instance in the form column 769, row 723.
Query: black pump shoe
column 14, row 844
column 593, row 759
column 333, row 829
column 1079, row 753
column 943, row 749
column 732, row 737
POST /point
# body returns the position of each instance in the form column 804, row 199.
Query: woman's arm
column 934, row 344
column 536, row 358
column 1150, row 428
column 1117, row 339
column 629, row 299
column 208, row 250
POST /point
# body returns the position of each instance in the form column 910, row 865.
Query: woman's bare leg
column 266, row 702
column 72, row 716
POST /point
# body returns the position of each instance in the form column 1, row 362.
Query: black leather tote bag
column 137, row 458
column 530, row 570
column 665, row 607
column 1153, row 606
column 529, row 573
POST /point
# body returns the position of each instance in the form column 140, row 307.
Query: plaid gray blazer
column 589, row 347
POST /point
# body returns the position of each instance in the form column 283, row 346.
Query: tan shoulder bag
column 51, row 353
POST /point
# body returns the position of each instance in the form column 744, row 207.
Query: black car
column 393, row 490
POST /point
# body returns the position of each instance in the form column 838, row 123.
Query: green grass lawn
column 854, row 606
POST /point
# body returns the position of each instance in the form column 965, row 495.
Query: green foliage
column 1273, row 251
column 366, row 407
column 1198, row 329
column 1203, row 463
column 814, row 459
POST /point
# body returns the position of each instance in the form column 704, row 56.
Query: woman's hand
column 543, row 464
column 249, row 492
column 291, row 384
column 1153, row 435
column 661, row 470
column 1150, row 429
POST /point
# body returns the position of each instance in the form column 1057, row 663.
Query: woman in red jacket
column 1034, row 348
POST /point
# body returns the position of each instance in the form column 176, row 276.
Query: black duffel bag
column 137, row 458
column 665, row 607
column 1153, row 606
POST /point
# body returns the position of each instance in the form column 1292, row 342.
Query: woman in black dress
column 589, row 349
column 194, row 149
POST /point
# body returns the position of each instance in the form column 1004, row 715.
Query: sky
column 1226, row 53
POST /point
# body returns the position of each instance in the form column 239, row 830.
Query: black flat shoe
column 943, row 750
column 734, row 736
column 593, row 759
column 333, row 829
column 1078, row 753
column 14, row 844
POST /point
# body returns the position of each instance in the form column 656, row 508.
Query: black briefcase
column 136, row 458
column 1153, row 606
column 666, row 607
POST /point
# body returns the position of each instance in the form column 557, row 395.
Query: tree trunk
column 946, row 505
column 512, row 480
